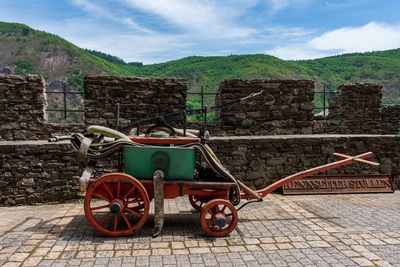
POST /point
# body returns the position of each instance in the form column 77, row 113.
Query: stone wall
column 21, row 107
column 147, row 98
column 287, row 107
column 22, row 114
column 390, row 119
column 356, row 108
column 37, row 172
column 261, row 160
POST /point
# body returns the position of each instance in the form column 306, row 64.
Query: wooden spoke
column 223, row 209
column 198, row 202
column 108, row 190
column 105, row 218
column 119, row 188
column 102, row 197
column 115, row 222
column 126, row 219
column 130, row 191
column 133, row 201
column 100, row 207
column 134, row 212
column 211, row 213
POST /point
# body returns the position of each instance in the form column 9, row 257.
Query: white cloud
column 370, row 37
column 146, row 48
column 198, row 24
column 295, row 52
column 99, row 11
column 277, row 5
column 201, row 18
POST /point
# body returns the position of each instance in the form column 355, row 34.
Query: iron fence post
column 65, row 102
column 117, row 116
column 202, row 99
column 324, row 99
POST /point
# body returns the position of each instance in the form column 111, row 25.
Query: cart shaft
column 250, row 194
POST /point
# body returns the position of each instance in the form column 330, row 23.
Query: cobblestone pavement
column 331, row 230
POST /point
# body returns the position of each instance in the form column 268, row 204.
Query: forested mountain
column 24, row 50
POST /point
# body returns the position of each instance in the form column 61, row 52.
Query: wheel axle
column 220, row 220
column 115, row 207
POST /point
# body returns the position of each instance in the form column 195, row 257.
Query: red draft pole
column 296, row 176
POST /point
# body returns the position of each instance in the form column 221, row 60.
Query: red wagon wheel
column 116, row 204
column 198, row 202
column 218, row 217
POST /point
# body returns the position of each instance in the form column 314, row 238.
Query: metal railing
column 65, row 109
column 202, row 94
column 325, row 98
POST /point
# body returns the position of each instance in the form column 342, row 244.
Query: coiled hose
column 102, row 142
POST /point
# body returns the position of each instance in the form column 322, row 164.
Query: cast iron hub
column 115, row 206
column 220, row 220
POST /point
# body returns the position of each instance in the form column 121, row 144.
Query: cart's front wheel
column 218, row 217
column 116, row 204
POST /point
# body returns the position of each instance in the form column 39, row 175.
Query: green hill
column 375, row 67
column 24, row 50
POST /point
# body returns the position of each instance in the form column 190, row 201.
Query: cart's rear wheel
column 116, row 204
column 198, row 202
column 218, row 217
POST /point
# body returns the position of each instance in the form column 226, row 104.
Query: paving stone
column 141, row 252
column 159, row 245
column 268, row 247
column 122, row 253
column 284, row 245
column 41, row 251
column 267, row 240
column 74, row 262
column 290, row 231
column 53, row 255
column 318, row 244
column 11, row 264
column 105, row 247
column 27, row 248
column 180, row 251
column 191, row 243
column 251, row 241
column 18, row 257
column 161, row 251
column 237, row 248
column 46, row 263
column 252, row 247
column 199, row 250
column 85, row 254
column 143, row 245
column 177, row 245
column 32, row 261
column 219, row 243
column 219, row 250
column 362, row 261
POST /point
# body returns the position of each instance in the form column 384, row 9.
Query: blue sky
column 154, row 31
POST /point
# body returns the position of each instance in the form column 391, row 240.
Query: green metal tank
column 177, row 163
